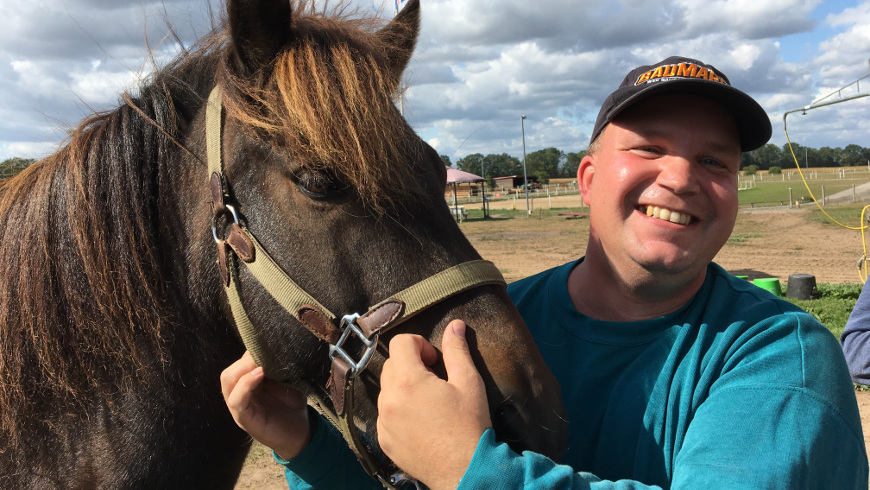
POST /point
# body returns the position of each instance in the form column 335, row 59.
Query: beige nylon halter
column 295, row 300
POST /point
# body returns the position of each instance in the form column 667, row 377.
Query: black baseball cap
column 685, row 75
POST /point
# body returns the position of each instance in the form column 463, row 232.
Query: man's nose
column 679, row 174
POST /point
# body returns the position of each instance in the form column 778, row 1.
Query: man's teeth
column 667, row 215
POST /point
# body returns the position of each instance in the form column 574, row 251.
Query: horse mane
column 84, row 308
column 327, row 103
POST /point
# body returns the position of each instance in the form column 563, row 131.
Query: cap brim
column 753, row 124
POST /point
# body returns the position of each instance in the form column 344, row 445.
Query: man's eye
column 648, row 150
column 713, row 162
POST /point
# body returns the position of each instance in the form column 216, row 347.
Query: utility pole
column 525, row 174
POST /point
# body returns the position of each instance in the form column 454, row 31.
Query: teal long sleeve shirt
column 738, row 389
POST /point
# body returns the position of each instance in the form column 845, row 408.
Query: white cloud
column 33, row 149
column 479, row 65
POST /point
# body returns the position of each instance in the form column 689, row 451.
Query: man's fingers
column 457, row 356
column 239, row 399
column 231, row 375
column 408, row 350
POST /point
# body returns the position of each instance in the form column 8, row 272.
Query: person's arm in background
column 855, row 339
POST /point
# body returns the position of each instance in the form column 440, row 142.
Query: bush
column 775, row 170
column 833, row 306
column 12, row 166
column 750, row 170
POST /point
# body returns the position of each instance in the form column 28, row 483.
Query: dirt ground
column 765, row 243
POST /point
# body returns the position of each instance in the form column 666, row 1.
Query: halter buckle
column 348, row 326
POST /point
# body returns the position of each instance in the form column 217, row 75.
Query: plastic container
column 770, row 284
column 802, row 286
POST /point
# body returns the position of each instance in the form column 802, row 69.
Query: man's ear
column 585, row 173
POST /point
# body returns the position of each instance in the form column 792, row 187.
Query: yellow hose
column 862, row 263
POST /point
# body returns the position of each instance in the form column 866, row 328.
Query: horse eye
column 318, row 184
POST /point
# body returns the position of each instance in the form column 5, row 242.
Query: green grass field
column 767, row 190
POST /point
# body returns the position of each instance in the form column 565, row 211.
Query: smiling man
column 674, row 373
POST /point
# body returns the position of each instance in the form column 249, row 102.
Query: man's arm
column 753, row 430
column 855, row 339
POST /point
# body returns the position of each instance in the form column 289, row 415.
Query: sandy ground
column 765, row 243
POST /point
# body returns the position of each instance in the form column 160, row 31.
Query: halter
column 345, row 369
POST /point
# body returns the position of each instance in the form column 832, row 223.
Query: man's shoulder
column 539, row 283
column 742, row 297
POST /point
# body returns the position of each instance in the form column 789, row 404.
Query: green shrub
column 750, row 170
column 774, row 170
column 834, row 305
column 12, row 166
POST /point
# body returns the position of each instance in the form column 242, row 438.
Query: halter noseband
column 314, row 316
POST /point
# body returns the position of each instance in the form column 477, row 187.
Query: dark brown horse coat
column 113, row 323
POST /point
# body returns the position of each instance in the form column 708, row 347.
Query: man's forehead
column 712, row 125
column 677, row 108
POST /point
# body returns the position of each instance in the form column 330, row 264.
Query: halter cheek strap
column 237, row 243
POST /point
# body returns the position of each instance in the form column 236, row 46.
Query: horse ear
column 401, row 34
column 259, row 29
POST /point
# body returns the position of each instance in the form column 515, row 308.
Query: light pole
column 483, row 189
column 525, row 175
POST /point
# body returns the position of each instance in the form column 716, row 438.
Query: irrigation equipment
column 846, row 93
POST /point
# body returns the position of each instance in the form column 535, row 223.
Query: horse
column 115, row 316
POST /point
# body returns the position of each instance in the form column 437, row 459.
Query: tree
column 500, row 166
column 470, row 163
column 12, row 166
column 446, row 160
column 572, row 163
column 827, row 157
column 854, row 155
column 544, row 164
column 803, row 155
column 763, row 158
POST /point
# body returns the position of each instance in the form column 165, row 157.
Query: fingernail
column 459, row 328
column 258, row 372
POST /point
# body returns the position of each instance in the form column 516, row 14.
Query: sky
column 478, row 68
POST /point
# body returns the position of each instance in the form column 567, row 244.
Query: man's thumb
column 457, row 356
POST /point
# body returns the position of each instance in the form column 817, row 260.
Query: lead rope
column 314, row 316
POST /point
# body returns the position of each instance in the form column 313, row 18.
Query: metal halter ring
column 214, row 232
column 348, row 326
column 402, row 479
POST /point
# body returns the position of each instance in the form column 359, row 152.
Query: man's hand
column 271, row 412
column 428, row 426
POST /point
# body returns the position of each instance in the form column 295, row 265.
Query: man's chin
column 673, row 266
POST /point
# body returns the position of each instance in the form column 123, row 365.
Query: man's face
column 662, row 185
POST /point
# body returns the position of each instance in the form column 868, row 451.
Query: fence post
column 790, row 200
column 824, row 201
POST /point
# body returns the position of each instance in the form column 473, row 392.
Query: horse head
column 116, row 318
column 330, row 182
